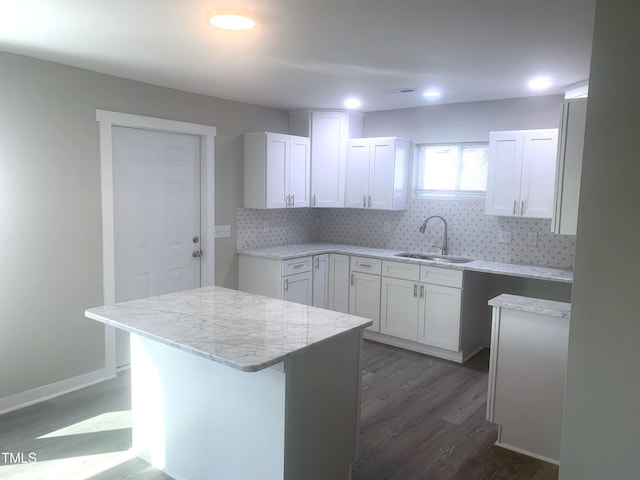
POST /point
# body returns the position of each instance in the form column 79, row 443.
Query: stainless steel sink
column 433, row 258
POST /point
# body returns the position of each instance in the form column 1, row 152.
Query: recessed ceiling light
column 540, row 83
column 352, row 103
column 431, row 94
column 231, row 21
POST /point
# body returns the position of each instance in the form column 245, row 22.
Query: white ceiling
column 314, row 53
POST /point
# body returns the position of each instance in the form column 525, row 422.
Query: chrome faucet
column 423, row 228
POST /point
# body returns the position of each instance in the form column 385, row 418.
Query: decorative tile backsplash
column 270, row 228
column 471, row 233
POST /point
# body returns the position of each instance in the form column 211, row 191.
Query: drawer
column 366, row 265
column 404, row 271
column 296, row 265
column 441, row 276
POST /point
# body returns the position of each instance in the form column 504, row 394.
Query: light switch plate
column 223, row 231
column 504, row 236
column 532, row 239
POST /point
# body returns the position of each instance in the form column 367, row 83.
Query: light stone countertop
column 284, row 252
column 533, row 305
column 244, row 331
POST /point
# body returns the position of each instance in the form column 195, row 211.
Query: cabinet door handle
column 421, row 291
column 369, row 201
column 314, row 199
column 293, row 200
column 415, row 290
column 515, row 203
column 523, row 207
column 286, row 284
column 364, row 201
column 317, row 264
column 352, row 279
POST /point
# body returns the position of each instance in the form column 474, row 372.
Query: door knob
column 196, row 239
column 197, row 253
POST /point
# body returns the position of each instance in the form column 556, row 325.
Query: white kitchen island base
column 233, row 386
column 196, row 419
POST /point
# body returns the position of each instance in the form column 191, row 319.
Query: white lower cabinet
column 364, row 290
column 413, row 306
column 439, row 318
column 419, row 304
column 399, row 300
column 321, row 281
column 298, row 288
column 290, row 279
column 338, row 295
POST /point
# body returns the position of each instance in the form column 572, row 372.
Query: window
column 454, row 169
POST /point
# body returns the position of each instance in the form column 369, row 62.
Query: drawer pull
column 365, row 265
column 298, row 265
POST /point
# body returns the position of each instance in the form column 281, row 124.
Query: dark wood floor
column 422, row 418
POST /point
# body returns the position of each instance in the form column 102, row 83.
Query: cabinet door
column 439, row 318
column 321, row 281
column 382, row 173
column 338, row 298
column 277, row 157
column 298, row 288
column 329, row 132
column 357, row 184
column 504, row 176
column 539, row 153
column 399, row 308
column 364, row 297
column 299, row 172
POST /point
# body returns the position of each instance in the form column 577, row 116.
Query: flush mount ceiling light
column 352, row 103
column 231, row 20
column 431, row 94
column 540, row 83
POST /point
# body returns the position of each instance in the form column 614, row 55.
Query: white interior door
column 156, row 185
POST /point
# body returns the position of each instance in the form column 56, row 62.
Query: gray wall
column 601, row 436
column 465, row 122
column 50, row 224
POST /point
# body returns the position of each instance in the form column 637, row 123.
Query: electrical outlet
column 504, row 236
column 386, row 227
column 222, row 231
column 532, row 239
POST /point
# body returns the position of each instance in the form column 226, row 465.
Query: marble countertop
column 244, row 331
column 511, row 269
column 533, row 305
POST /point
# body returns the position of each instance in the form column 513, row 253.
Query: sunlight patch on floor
column 100, row 423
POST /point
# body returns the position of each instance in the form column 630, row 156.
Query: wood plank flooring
column 422, row 418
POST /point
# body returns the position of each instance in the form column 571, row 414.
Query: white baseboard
column 47, row 392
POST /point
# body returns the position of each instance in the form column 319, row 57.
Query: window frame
column 453, row 194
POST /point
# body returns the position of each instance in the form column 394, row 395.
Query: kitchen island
column 231, row 385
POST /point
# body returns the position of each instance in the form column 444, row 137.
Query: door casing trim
column 207, row 133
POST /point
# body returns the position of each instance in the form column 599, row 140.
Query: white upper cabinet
column 329, row 132
column 569, row 168
column 377, row 173
column 521, row 179
column 276, row 170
